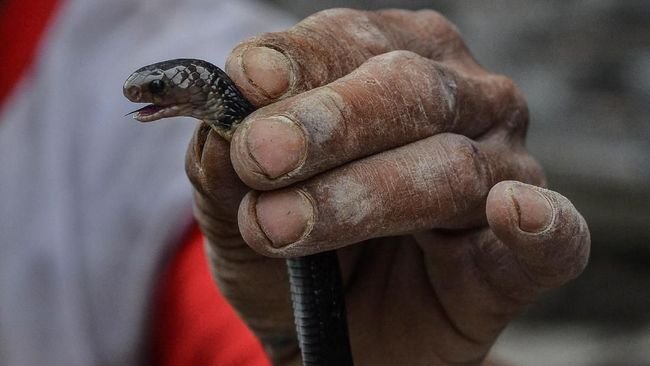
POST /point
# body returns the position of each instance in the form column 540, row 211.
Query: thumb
column 543, row 229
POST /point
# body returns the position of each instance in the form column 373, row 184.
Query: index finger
column 332, row 43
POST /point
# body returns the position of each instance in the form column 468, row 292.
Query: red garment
column 22, row 23
column 193, row 323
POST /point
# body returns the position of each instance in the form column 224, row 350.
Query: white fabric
column 92, row 201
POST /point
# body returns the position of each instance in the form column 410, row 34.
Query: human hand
column 379, row 136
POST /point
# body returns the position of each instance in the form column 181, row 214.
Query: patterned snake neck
column 187, row 87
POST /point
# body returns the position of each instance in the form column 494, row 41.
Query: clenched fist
column 379, row 135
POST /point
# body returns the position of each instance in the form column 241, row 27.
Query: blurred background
column 584, row 67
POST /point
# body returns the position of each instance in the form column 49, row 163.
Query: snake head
column 186, row 87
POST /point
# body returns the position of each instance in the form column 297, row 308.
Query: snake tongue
column 142, row 113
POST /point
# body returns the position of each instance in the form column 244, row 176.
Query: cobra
column 198, row 89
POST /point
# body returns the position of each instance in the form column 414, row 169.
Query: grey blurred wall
column 584, row 67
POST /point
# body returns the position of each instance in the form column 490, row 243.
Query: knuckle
column 428, row 85
column 331, row 26
column 320, row 44
column 469, row 165
column 396, row 65
column 396, row 57
column 335, row 13
column 529, row 170
column 335, row 108
column 465, row 168
column 427, row 32
column 426, row 19
column 442, row 31
column 429, row 16
column 514, row 110
column 446, row 92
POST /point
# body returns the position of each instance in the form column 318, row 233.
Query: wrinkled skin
column 377, row 134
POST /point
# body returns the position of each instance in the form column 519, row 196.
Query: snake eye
column 156, row 86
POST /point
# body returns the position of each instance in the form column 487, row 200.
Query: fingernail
column 268, row 69
column 276, row 144
column 284, row 216
column 534, row 210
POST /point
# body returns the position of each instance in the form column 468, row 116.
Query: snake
column 198, row 89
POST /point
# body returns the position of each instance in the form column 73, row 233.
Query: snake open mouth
column 151, row 112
